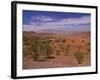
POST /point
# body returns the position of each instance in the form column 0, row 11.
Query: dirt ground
column 59, row 61
column 62, row 60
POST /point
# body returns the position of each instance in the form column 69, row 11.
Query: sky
column 61, row 21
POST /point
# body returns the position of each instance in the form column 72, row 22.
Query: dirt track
column 59, row 61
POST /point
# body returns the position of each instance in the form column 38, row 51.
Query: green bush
column 48, row 50
column 79, row 57
column 37, row 47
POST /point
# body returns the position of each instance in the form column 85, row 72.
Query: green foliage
column 79, row 57
column 37, row 47
column 48, row 50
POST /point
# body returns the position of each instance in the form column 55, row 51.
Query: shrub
column 79, row 57
column 57, row 41
column 88, row 43
column 64, row 40
column 73, row 41
column 48, row 50
column 88, row 47
column 35, row 49
column 88, row 50
column 67, row 50
column 82, row 40
column 52, row 43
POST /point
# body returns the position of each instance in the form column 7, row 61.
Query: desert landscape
column 49, row 50
column 56, row 39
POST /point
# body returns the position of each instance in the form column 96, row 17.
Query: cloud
column 45, row 22
column 42, row 27
column 80, row 20
column 42, row 18
column 71, row 21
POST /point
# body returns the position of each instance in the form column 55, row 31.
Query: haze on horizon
column 56, row 21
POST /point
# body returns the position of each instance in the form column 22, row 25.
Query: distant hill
column 64, row 34
column 55, row 31
column 39, row 34
column 81, row 34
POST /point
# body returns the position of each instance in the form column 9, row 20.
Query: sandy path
column 59, row 61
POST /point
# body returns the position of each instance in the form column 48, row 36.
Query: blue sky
column 44, row 20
